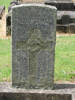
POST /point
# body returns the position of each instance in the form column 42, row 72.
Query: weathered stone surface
column 34, row 96
column 67, row 92
column 33, row 45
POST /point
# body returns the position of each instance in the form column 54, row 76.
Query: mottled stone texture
column 33, row 46
column 67, row 92
column 34, row 96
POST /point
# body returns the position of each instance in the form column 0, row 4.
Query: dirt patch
column 58, row 34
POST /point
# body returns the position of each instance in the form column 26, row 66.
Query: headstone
column 33, row 46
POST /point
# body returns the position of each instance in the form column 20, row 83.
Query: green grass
column 5, row 3
column 5, row 60
column 64, row 59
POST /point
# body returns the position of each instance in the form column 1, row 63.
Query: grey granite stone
column 9, row 93
column 33, row 46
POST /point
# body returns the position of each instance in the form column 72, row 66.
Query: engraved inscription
column 34, row 45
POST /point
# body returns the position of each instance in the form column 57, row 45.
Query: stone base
column 60, row 92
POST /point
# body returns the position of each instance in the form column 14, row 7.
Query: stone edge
column 35, row 5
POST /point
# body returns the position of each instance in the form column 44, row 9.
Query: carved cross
column 33, row 45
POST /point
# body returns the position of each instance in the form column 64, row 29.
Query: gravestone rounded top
column 34, row 5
